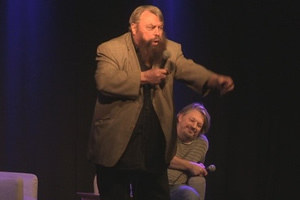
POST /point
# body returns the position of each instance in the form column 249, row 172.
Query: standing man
column 186, row 171
column 133, row 133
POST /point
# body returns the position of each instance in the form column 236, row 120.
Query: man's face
column 189, row 125
column 149, row 29
column 149, row 37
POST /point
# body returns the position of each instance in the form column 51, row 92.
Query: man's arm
column 196, row 169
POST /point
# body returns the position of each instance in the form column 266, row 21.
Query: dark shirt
column 146, row 148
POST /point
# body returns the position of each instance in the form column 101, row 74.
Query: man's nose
column 156, row 31
column 194, row 125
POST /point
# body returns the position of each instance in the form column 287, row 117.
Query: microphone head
column 166, row 54
column 211, row 168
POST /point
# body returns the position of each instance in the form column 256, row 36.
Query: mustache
column 191, row 128
column 156, row 38
column 149, row 42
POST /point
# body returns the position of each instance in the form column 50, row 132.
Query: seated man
column 186, row 169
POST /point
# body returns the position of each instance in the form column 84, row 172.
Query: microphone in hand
column 211, row 168
column 166, row 55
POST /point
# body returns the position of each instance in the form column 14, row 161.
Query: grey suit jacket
column 120, row 97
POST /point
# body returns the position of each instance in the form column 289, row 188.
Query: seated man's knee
column 184, row 192
column 199, row 184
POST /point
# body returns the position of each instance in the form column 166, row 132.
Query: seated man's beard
column 152, row 54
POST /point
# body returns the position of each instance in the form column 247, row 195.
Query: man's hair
column 136, row 14
column 200, row 107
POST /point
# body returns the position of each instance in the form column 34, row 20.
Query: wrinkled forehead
column 148, row 17
column 194, row 113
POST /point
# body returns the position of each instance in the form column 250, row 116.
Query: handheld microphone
column 166, row 55
column 211, row 168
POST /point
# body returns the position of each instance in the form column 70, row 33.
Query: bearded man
column 133, row 133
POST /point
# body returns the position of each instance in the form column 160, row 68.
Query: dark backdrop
column 48, row 91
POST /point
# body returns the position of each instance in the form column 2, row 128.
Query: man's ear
column 179, row 117
column 133, row 27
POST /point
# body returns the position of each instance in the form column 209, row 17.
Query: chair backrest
column 11, row 189
column 88, row 195
column 96, row 191
column 28, row 181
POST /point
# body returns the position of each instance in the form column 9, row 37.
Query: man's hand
column 197, row 169
column 221, row 82
column 153, row 76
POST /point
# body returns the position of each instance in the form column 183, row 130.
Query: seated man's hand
column 197, row 169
